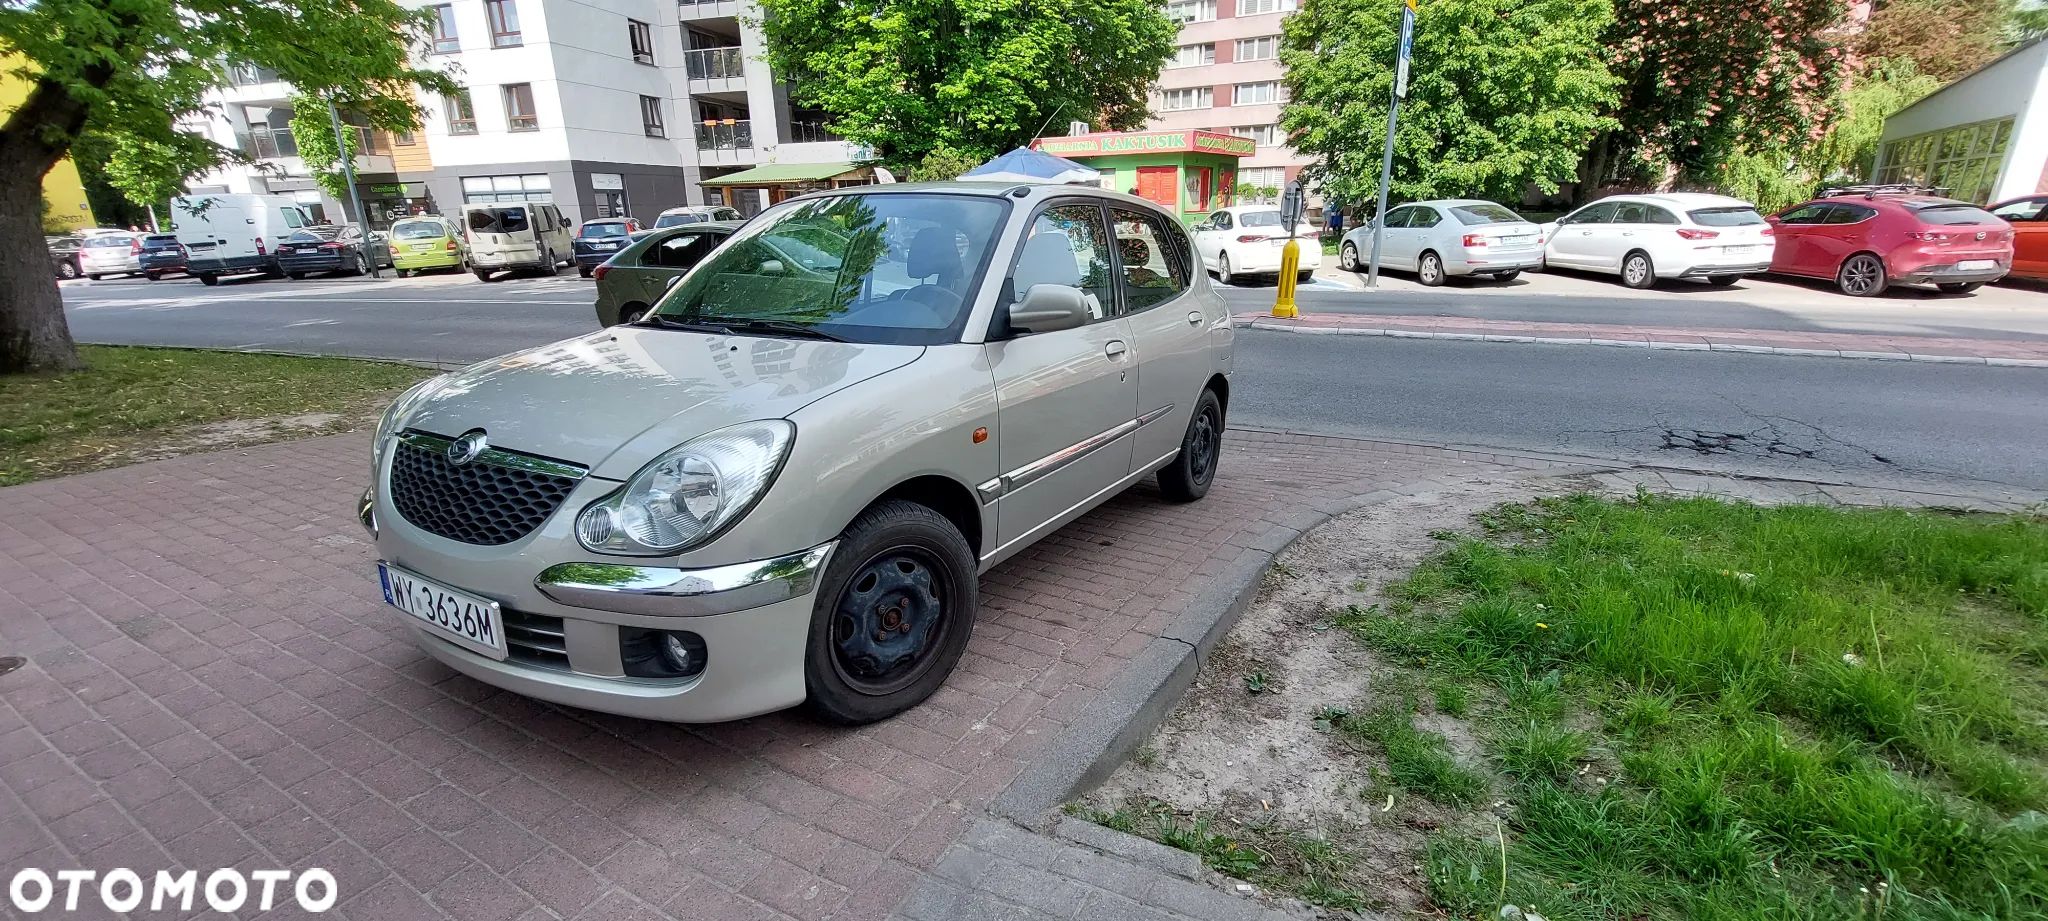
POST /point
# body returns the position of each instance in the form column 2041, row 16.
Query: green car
column 427, row 242
column 637, row 276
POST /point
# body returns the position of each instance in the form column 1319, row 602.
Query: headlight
column 387, row 425
column 689, row 493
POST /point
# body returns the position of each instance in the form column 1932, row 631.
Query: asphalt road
column 1801, row 417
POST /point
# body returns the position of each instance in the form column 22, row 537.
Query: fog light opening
column 661, row 653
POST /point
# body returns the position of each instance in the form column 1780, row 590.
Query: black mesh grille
column 476, row 503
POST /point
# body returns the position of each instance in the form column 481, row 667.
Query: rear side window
column 1153, row 269
column 1955, row 214
column 1485, row 213
column 1660, row 216
column 680, row 251
column 1729, row 217
column 1629, row 212
column 498, row 220
column 1850, row 214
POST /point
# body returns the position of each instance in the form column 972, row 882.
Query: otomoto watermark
column 124, row 890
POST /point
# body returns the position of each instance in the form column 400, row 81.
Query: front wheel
column 1305, row 276
column 152, row 276
column 483, row 274
column 1430, row 271
column 1637, row 272
column 1187, row 477
column 1959, row 287
column 583, row 271
column 1724, row 281
column 297, row 276
column 1861, row 275
column 67, row 270
column 209, row 280
column 1509, row 275
column 631, row 313
column 92, row 276
column 1348, row 258
column 892, row 615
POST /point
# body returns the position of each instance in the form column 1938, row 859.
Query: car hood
column 612, row 400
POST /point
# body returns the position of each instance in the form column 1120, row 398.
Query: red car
column 1869, row 239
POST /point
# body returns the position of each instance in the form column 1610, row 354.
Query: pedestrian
column 1337, row 221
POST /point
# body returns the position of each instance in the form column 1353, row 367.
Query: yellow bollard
column 1290, row 265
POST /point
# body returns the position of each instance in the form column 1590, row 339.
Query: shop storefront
column 388, row 202
column 1189, row 172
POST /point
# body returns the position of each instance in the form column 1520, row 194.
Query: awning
column 782, row 174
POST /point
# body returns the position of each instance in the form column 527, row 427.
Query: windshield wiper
column 782, row 327
column 696, row 326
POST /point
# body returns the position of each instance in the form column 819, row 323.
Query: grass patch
column 145, row 402
column 1417, row 761
column 1314, row 869
column 1802, row 712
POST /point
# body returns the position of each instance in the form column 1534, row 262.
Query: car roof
column 1682, row 200
column 686, row 209
column 1031, row 192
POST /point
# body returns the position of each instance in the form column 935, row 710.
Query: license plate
column 604, row 246
column 1517, row 241
column 460, row 617
column 1976, row 265
column 1744, row 248
column 422, row 247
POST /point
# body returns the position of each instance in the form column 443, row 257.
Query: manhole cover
column 10, row 663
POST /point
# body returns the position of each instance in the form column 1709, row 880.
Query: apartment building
column 1226, row 77
column 619, row 107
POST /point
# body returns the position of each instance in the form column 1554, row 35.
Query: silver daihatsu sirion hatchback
column 779, row 485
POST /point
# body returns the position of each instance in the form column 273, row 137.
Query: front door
column 1790, row 253
column 1066, row 399
column 1573, row 243
column 1214, row 233
column 1171, row 330
column 1842, row 232
column 2029, row 220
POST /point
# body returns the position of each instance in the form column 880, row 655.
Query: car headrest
column 1048, row 259
column 934, row 251
column 1135, row 250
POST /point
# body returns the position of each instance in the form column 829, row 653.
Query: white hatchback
column 1679, row 235
column 1248, row 240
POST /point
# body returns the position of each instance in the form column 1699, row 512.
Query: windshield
column 1725, row 217
column 1485, row 213
column 1957, row 213
column 606, row 230
column 498, row 220
column 417, row 230
column 881, row 268
column 679, row 218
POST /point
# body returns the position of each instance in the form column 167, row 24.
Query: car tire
column 1507, row 276
column 1637, row 271
column 296, row 276
column 362, row 266
column 631, row 312
column 1861, row 275
column 483, row 275
column 1429, row 269
column 67, row 269
column 900, row 586
column 1187, row 477
column 152, row 276
column 1723, row 281
column 92, row 276
column 1958, row 287
column 1223, row 276
column 583, row 271
column 1305, row 276
column 1347, row 256
column 209, row 280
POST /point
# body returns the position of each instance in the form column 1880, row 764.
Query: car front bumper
column 754, row 619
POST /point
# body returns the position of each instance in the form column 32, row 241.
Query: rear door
column 1170, row 330
column 1424, row 222
column 2029, row 220
column 672, row 258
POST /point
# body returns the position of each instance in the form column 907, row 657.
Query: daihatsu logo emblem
column 465, row 449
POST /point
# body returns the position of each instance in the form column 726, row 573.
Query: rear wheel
column 362, row 266
column 209, row 280
column 483, row 274
column 1959, row 287
column 152, row 276
column 297, row 276
column 1509, row 275
column 1861, row 275
column 1724, row 281
column 632, row 313
column 1223, row 276
column 891, row 616
column 1637, row 271
column 92, row 276
column 1348, row 258
column 1430, row 270
column 1305, row 276
column 67, row 269
column 583, row 271
column 1187, row 477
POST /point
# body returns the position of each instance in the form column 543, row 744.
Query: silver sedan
column 1438, row 239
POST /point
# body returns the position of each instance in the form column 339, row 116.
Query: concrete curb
column 1669, row 345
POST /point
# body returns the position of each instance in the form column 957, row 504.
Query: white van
column 234, row 234
column 517, row 235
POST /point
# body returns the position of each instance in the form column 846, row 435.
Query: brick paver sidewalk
column 2032, row 353
column 212, row 682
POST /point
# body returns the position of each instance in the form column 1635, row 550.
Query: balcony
column 725, row 142
column 277, row 145
column 694, row 10
column 716, row 70
column 810, row 132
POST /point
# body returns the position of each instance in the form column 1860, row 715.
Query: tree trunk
column 33, row 334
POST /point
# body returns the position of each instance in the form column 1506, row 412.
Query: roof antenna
column 1048, row 119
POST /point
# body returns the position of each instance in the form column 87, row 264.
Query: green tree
column 127, row 71
column 1945, row 39
column 1780, row 174
column 1502, row 94
column 1703, row 80
column 941, row 164
column 313, row 131
column 907, row 77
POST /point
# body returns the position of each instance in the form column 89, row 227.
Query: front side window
column 445, row 41
column 880, row 268
column 2026, row 209
column 519, row 114
column 680, row 251
column 650, row 117
column 1153, row 267
column 1263, row 48
column 461, row 115
column 1067, row 245
column 641, row 36
column 1600, row 213
column 504, row 17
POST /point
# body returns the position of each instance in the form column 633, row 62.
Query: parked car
column 696, row 214
column 106, row 254
column 1868, row 240
column 640, row 274
column 1245, row 240
column 428, row 241
column 2029, row 219
column 64, row 255
column 1438, row 239
column 1644, row 238
column 780, row 487
column 333, row 248
column 597, row 240
column 235, row 234
column 161, row 255
column 516, row 235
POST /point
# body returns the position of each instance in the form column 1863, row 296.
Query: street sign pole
column 355, row 199
column 1379, row 214
column 1292, row 206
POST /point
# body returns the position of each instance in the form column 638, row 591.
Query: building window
column 504, row 16
column 642, row 37
column 445, row 41
column 1198, row 97
column 1259, row 7
column 1191, row 10
column 519, row 114
column 403, row 138
column 461, row 115
column 1251, row 94
column 1963, row 161
column 1261, row 184
column 1193, row 55
column 1265, row 135
column 650, row 117
column 250, row 75
column 1264, row 48
column 488, row 189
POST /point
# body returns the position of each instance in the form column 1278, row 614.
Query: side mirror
column 673, row 280
column 1773, row 219
column 1049, row 308
column 565, row 223
column 773, row 267
column 1551, row 227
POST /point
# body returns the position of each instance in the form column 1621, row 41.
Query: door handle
column 1194, row 318
column 1628, row 233
column 1114, row 348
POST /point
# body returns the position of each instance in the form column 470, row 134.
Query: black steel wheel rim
column 1860, row 275
column 1204, row 443
column 891, row 620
